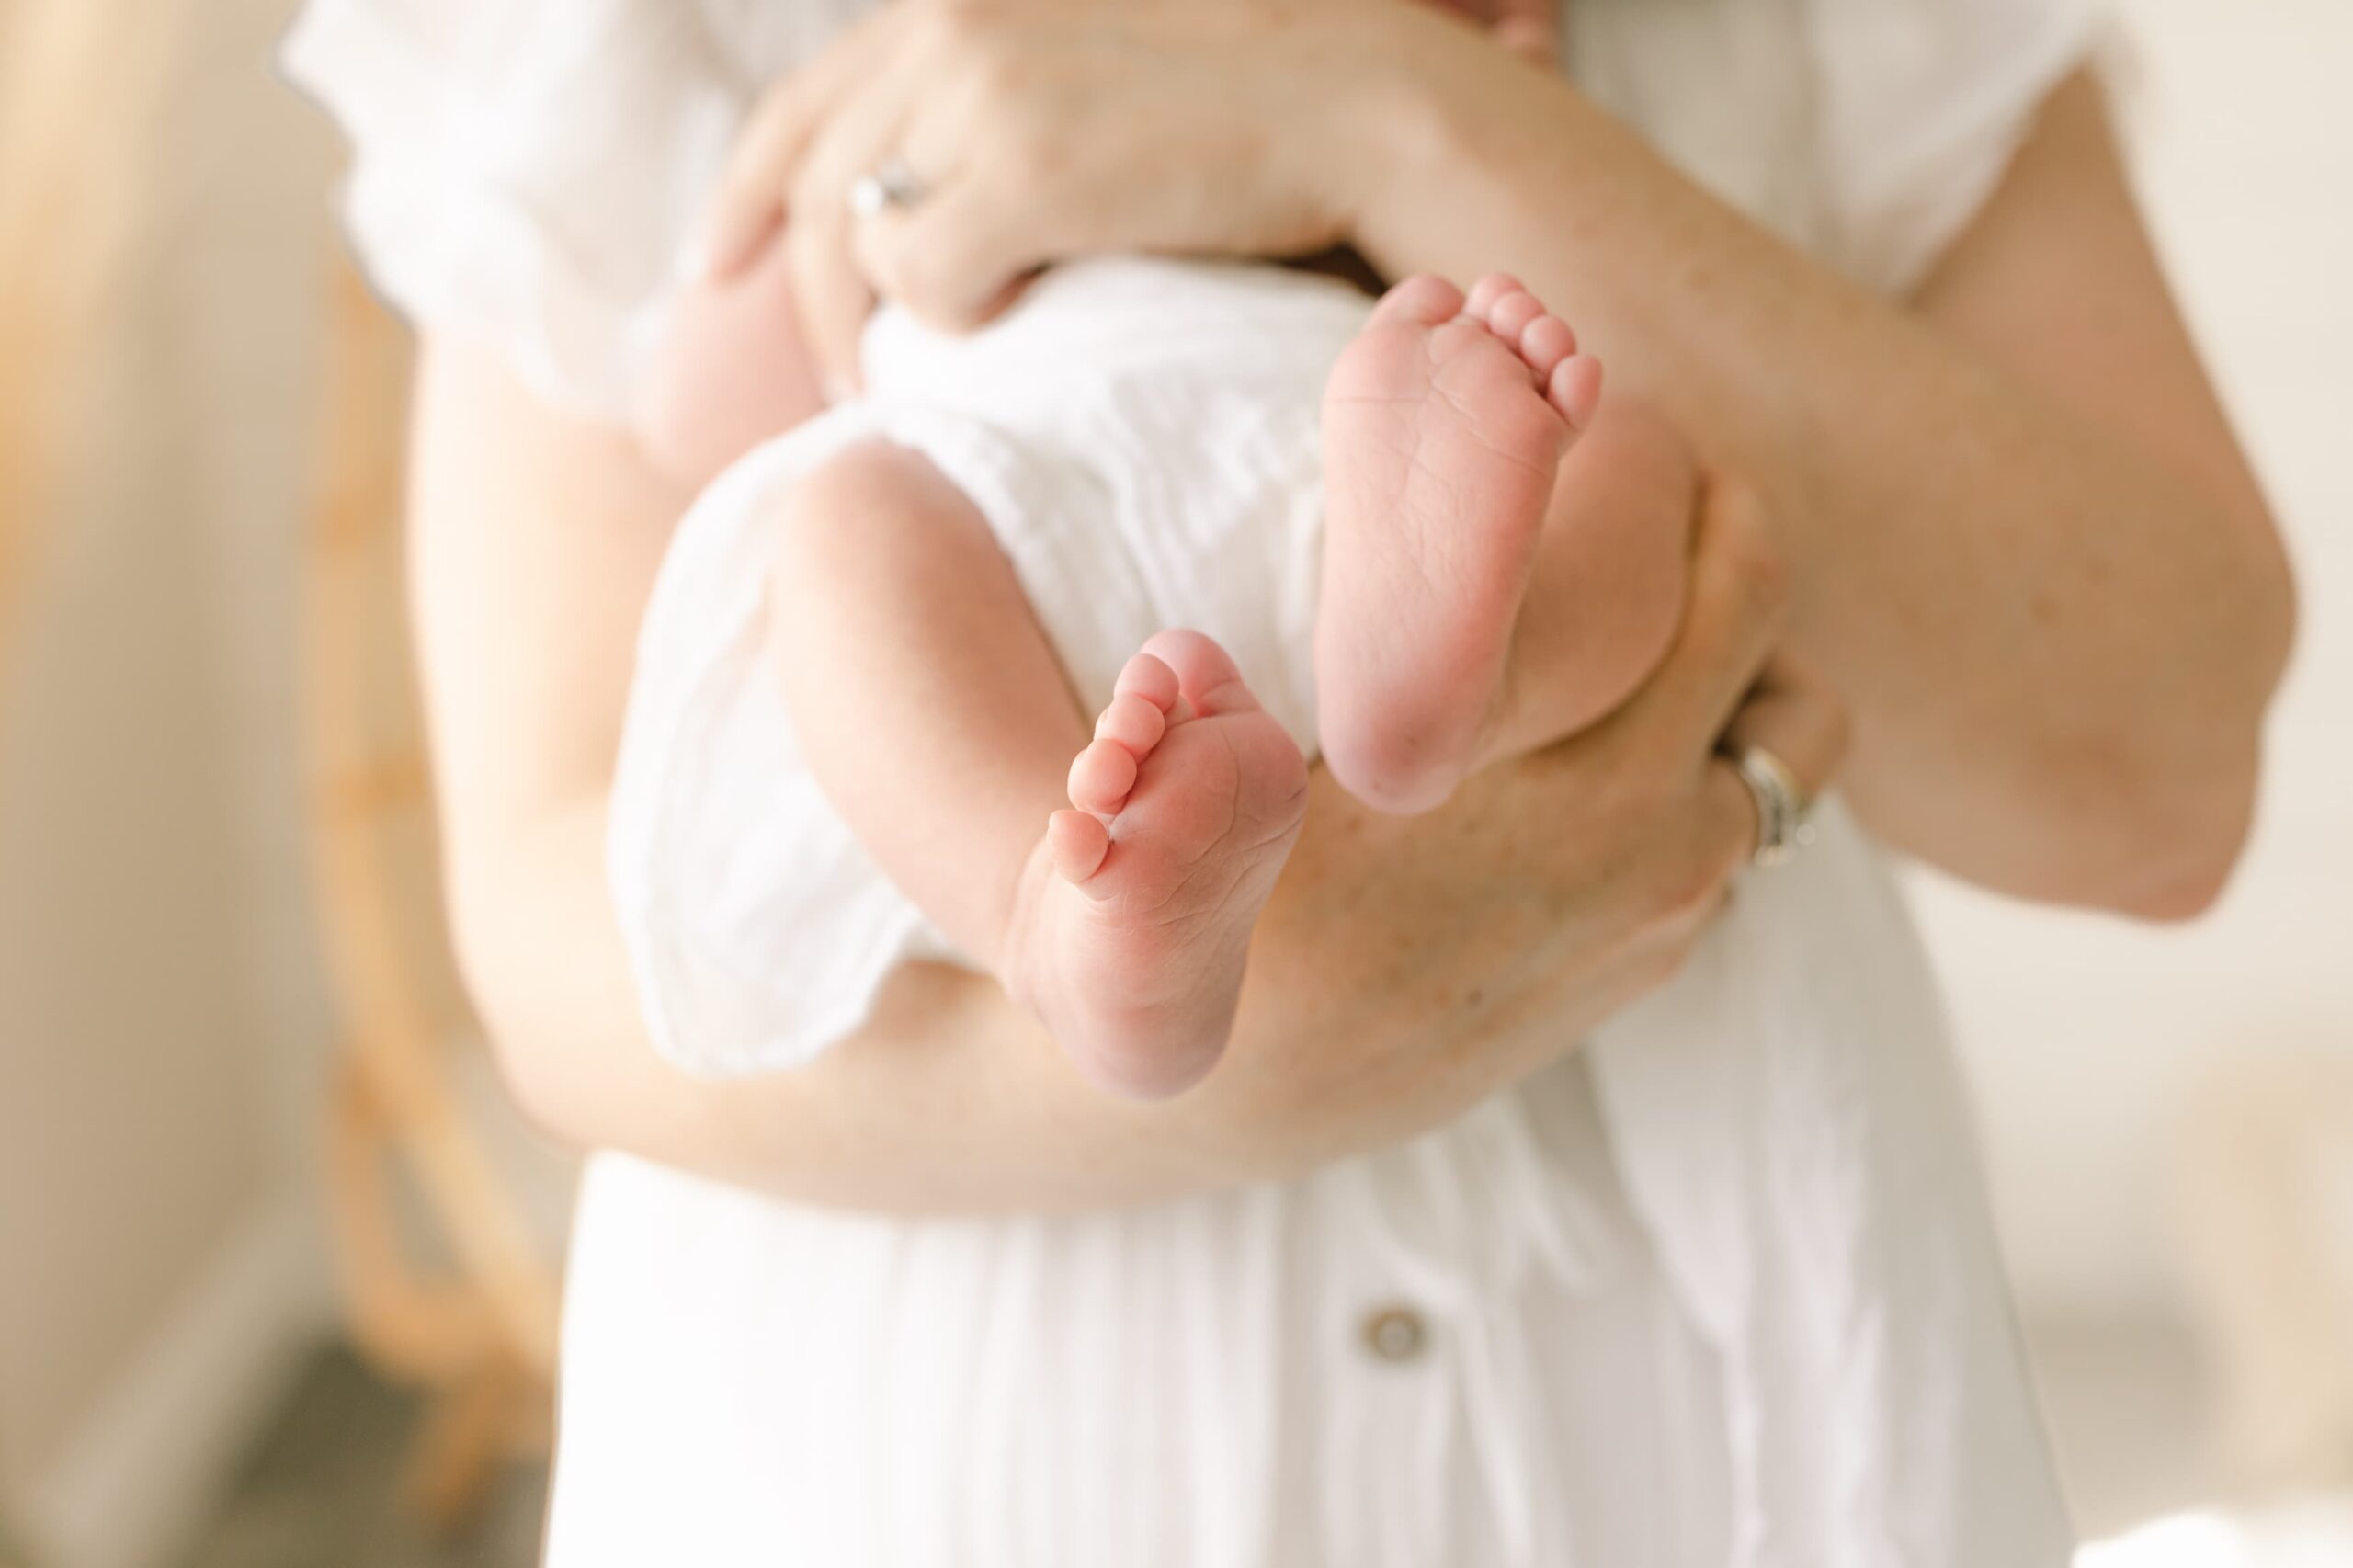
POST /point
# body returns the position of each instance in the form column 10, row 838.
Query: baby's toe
column 1513, row 315
column 1078, row 844
column 1101, row 778
column 1133, row 721
column 1149, row 679
column 1425, row 301
column 1487, row 290
column 1574, row 388
column 1209, row 678
column 1545, row 344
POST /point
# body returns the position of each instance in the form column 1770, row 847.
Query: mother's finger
column 1738, row 604
column 1798, row 719
column 950, row 258
column 751, row 191
column 828, row 285
column 1800, row 722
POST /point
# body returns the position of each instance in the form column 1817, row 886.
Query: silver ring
column 1782, row 807
column 889, row 184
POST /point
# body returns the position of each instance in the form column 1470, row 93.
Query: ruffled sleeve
column 523, row 170
column 1919, row 106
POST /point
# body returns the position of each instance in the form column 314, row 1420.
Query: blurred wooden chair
column 447, row 1283
column 81, row 82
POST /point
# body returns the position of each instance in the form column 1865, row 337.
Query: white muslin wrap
column 1142, row 437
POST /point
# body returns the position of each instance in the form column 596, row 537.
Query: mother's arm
column 2025, row 543
column 2027, row 548
column 1404, row 971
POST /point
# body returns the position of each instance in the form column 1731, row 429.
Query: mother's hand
column 1404, row 970
column 1409, row 967
column 1039, row 129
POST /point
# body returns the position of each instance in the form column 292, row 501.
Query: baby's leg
column 731, row 369
column 936, row 718
column 1468, row 462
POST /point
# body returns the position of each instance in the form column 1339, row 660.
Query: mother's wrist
column 1441, row 120
column 1383, row 120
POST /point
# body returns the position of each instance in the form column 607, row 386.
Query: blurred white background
column 2100, row 1048
column 162, row 1270
column 2086, row 1036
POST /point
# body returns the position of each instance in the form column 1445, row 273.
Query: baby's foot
column 1444, row 427
column 1139, row 903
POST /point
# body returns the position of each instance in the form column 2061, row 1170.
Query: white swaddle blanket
column 1143, row 437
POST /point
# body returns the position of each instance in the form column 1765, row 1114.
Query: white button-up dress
column 1478, row 1348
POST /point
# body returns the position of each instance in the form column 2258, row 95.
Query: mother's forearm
column 946, row 1102
column 2026, row 549
column 949, row 1100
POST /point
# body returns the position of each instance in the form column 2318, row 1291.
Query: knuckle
column 1762, row 567
column 1690, row 893
column 1744, row 528
column 1693, row 879
column 922, row 279
column 999, row 77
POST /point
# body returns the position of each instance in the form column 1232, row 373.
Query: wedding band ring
column 889, row 184
column 1781, row 806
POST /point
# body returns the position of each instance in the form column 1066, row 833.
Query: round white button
column 1396, row 1333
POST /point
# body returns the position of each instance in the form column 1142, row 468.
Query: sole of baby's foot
column 1138, row 905
column 1445, row 425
